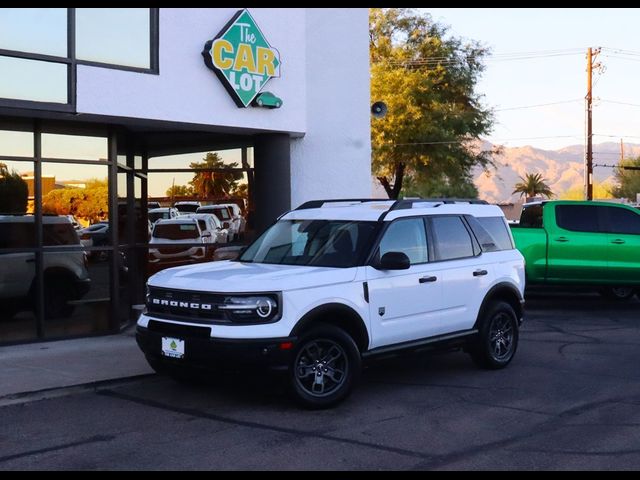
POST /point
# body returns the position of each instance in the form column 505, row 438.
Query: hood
column 231, row 276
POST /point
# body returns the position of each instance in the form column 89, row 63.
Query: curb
column 56, row 392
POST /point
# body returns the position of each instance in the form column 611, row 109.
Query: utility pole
column 588, row 176
column 621, row 150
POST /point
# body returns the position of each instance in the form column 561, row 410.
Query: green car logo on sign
column 242, row 58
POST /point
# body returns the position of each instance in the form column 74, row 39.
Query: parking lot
column 569, row 400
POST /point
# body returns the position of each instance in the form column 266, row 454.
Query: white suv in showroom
column 66, row 275
column 334, row 283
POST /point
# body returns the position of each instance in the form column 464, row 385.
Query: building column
column 272, row 170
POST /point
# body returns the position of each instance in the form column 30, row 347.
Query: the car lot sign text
column 242, row 58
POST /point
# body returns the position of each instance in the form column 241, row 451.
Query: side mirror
column 206, row 235
column 394, row 261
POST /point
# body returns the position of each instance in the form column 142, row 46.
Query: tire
column 497, row 339
column 619, row 294
column 57, row 294
column 339, row 373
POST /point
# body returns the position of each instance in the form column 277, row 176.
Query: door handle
column 30, row 260
column 618, row 241
column 427, row 279
column 479, row 273
column 562, row 239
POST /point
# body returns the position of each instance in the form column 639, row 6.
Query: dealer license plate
column 172, row 347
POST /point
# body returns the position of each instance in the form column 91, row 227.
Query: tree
column 212, row 184
column 416, row 185
column 179, row 191
column 434, row 114
column 600, row 191
column 628, row 179
column 531, row 185
column 14, row 192
column 90, row 203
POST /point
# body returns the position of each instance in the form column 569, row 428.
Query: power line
column 616, row 136
column 620, row 103
column 622, row 51
column 448, row 60
column 473, row 139
column 622, row 167
column 539, row 105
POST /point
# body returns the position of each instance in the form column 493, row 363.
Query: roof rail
column 409, row 202
column 320, row 203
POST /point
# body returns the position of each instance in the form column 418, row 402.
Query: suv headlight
column 258, row 308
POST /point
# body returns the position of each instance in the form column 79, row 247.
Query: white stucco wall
column 333, row 160
column 324, row 84
column 186, row 90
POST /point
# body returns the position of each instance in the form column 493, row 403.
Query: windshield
column 323, row 243
column 176, row 231
column 220, row 213
column 187, row 207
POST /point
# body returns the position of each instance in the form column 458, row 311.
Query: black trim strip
column 419, row 343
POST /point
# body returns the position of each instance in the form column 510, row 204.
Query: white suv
column 66, row 276
column 333, row 283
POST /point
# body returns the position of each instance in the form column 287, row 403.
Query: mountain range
column 563, row 169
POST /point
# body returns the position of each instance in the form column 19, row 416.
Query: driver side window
column 408, row 236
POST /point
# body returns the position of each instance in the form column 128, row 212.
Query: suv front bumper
column 218, row 353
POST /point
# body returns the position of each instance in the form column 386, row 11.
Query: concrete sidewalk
column 31, row 370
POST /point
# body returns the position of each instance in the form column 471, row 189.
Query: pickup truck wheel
column 497, row 340
column 621, row 294
column 325, row 365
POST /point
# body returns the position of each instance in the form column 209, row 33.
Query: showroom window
column 41, row 47
column 61, row 272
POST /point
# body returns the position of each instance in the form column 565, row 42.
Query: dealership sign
column 242, row 58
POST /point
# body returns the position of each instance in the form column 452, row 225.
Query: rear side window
column 531, row 217
column 491, row 232
column 59, row 234
column 624, row 221
column 452, row 240
column 578, row 218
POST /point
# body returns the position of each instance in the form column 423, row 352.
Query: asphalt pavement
column 568, row 401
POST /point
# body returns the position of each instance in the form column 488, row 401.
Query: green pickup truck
column 582, row 244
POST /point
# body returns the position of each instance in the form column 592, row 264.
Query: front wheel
column 326, row 364
column 621, row 294
column 497, row 340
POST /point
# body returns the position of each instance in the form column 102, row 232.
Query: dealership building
column 104, row 110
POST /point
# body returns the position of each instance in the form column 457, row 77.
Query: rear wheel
column 621, row 294
column 326, row 364
column 497, row 340
column 58, row 292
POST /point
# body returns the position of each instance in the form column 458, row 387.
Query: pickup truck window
column 531, row 217
column 578, row 218
column 491, row 232
column 452, row 239
column 622, row 220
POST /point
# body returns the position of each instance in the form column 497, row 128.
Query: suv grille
column 172, row 250
column 181, row 304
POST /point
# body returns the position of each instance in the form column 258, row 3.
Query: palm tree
column 533, row 184
column 214, row 183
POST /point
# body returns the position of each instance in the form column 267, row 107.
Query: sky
column 557, row 73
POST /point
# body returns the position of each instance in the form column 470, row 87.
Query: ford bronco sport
column 333, row 283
